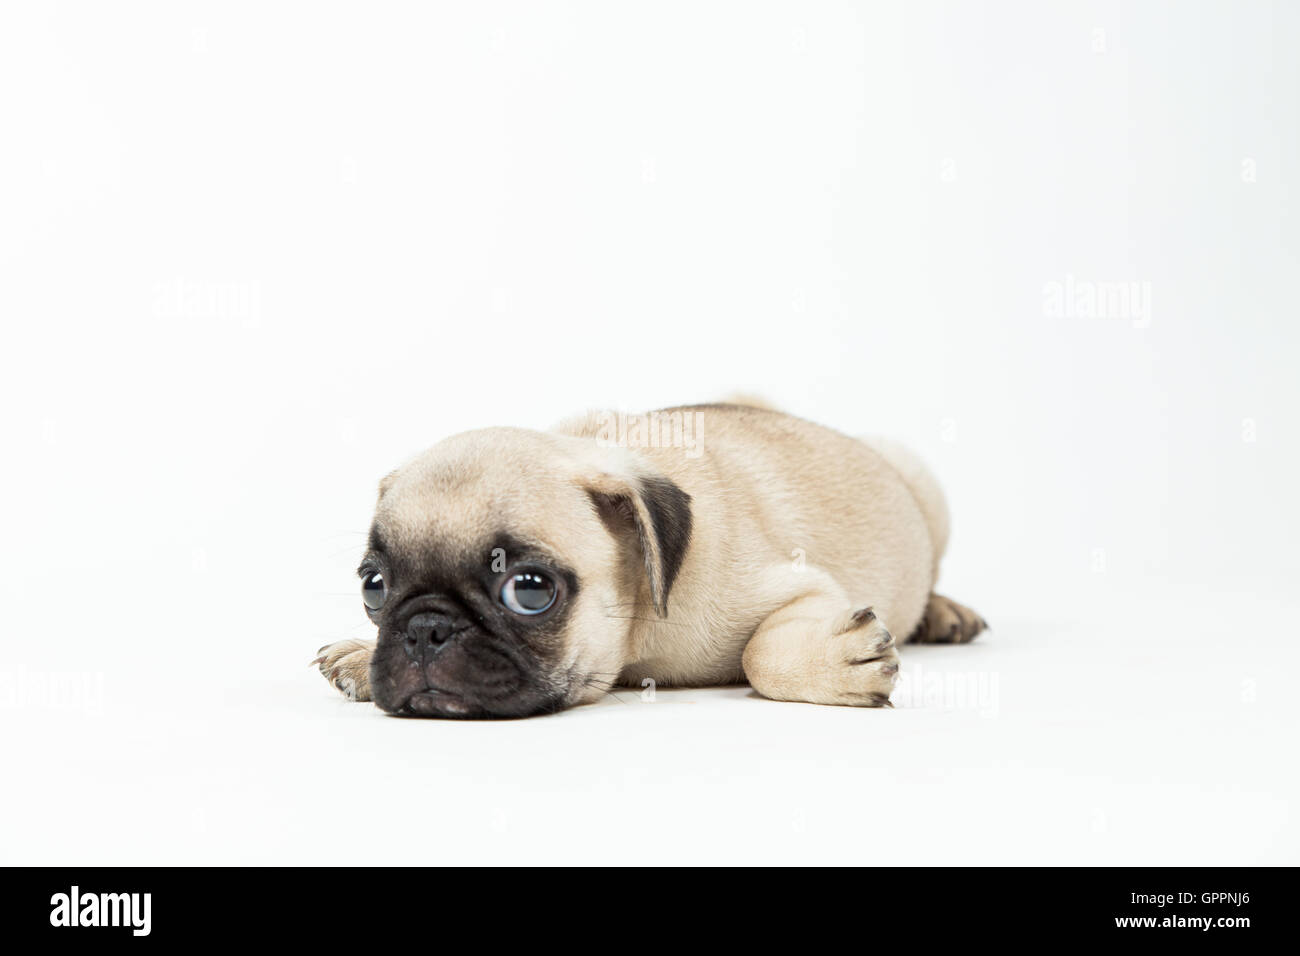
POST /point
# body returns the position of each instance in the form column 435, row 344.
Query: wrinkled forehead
column 459, row 507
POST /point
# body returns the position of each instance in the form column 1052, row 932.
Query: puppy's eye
column 528, row 592
column 374, row 590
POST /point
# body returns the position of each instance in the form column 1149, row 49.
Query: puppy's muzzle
column 434, row 660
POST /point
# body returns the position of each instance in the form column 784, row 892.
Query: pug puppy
column 513, row 572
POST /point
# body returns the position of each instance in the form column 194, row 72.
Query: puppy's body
column 778, row 505
column 774, row 551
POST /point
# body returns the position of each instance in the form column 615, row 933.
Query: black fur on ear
column 661, row 512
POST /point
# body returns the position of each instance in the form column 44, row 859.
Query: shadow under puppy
column 513, row 572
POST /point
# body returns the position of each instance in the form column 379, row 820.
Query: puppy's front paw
column 813, row 649
column 346, row 665
column 867, row 659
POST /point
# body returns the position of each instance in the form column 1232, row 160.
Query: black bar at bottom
column 363, row 908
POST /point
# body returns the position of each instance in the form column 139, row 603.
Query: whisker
column 604, row 691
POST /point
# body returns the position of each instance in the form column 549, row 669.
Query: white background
column 252, row 256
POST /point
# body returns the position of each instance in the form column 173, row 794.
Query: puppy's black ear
column 661, row 514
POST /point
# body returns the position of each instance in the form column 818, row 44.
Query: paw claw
column 862, row 616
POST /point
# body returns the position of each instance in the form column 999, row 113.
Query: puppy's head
column 504, row 568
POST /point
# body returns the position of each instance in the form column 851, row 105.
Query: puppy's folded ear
column 661, row 514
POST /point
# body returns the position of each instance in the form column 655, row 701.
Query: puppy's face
column 500, row 570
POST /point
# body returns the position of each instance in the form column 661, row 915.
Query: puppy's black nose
column 425, row 633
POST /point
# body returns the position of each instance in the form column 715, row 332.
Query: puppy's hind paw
column 947, row 622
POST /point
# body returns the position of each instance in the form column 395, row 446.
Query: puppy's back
column 769, row 489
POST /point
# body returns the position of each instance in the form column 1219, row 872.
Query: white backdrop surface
column 253, row 256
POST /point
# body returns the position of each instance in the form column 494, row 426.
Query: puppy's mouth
column 433, row 702
column 436, row 703
column 471, row 677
